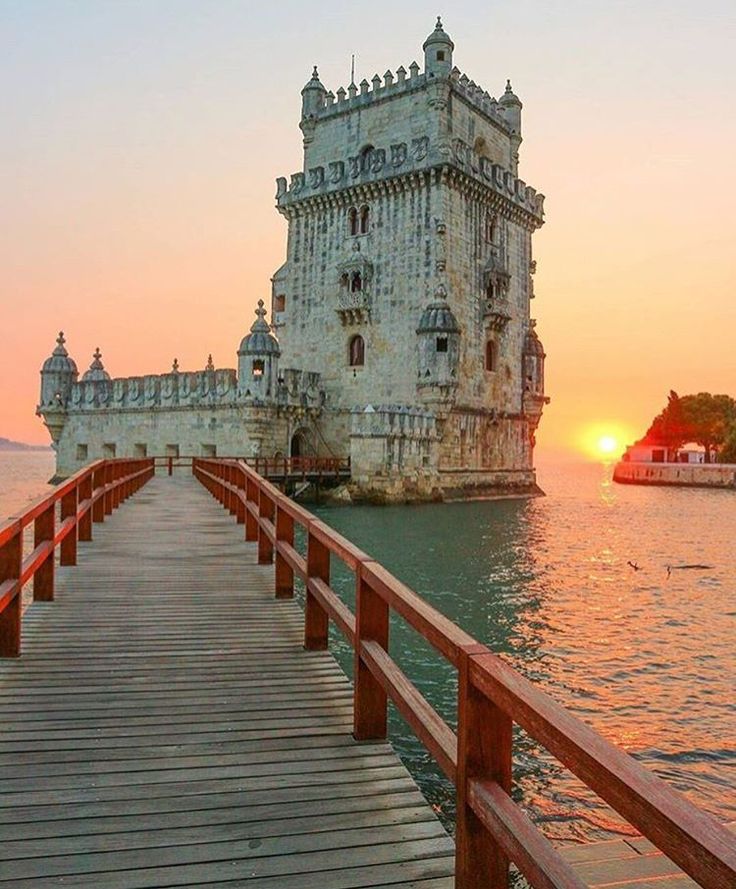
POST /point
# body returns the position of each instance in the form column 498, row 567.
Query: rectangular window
column 172, row 450
column 140, row 450
column 209, row 450
column 108, row 450
column 279, row 303
column 82, row 451
column 441, row 343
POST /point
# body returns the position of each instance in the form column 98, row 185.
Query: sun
column 607, row 445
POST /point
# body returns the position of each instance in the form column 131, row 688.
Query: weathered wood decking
column 165, row 728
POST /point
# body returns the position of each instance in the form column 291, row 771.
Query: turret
column 438, row 49
column 58, row 375
column 510, row 106
column 313, row 96
column 533, row 359
column 438, row 341
column 258, row 360
column 96, row 372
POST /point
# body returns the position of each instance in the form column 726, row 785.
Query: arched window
column 491, row 355
column 356, row 351
column 353, row 222
column 258, row 367
column 364, row 219
column 491, row 290
column 345, row 281
column 356, row 282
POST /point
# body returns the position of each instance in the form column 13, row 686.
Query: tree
column 727, row 453
column 709, row 419
column 669, row 428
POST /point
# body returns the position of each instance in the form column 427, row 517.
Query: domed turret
column 313, row 96
column 438, row 340
column 258, row 358
column 511, row 108
column 438, row 49
column 58, row 374
column 96, row 372
column 533, row 359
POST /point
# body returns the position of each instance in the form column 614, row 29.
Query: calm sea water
column 648, row 659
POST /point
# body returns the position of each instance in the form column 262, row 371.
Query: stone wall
column 694, row 475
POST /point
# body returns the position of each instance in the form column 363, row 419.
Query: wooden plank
column 165, row 726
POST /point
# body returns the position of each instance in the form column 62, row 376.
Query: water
column 648, row 660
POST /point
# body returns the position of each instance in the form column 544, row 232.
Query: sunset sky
column 141, row 141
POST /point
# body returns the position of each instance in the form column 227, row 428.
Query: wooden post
column 284, row 571
column 108, row 477
column 69, row 543
column 43, row 532
column 251, row 496
column 484, row 749
column 316, row 619
column 239, row 482
column 85, row 523
column 265, row 511
column 11, row 554
column 98, row 510
column 171, row 465
column 370, row 708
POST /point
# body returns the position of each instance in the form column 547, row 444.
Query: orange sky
column 142, row 141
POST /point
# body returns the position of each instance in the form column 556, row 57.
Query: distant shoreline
column 7, row 445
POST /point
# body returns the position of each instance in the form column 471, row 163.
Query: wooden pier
column 175, row 718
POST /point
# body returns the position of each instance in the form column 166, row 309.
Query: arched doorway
column 299, row 446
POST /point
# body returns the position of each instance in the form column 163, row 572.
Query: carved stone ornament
column 398, row 154
column 316, row 177
column 337, row 171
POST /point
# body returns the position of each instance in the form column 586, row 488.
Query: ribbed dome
column 438, row 317
column 96, row 370
column 439, row 35
column 260, row 340
column 314, row 83
column 533, row 345
column 509, row 97
column 59, row 360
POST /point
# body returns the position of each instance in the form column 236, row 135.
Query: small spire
column 60, row 347
column 97, row 354
column 438, row 26
column 508, row 86
column 210, row 364
column 261, row 311
column 60, row 338
column 175, row 366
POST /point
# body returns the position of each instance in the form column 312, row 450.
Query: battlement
column 202, row 388
column 383, row 163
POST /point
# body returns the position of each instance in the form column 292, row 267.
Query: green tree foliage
column 709, row 420
column 727, row 454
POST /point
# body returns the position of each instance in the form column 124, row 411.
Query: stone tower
column 407, row 282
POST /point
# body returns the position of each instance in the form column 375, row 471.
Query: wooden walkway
column 165, row 727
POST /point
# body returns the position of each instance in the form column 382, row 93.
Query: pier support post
column 10, row 567
column 265, row 511
column 284, row 571
column 43, row 533
column 316, row 619
column 68, row 549
column 484, row 748
column 85, row 523
column 369, row 697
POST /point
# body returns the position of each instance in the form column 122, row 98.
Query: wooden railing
column 84, row 499
column 269, row 467
column 491, row 829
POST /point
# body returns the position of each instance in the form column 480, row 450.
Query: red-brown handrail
column 491, row 829
column 86, row 497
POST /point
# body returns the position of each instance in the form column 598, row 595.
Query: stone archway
column 300, row 444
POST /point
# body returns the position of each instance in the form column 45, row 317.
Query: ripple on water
column 648, row 660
